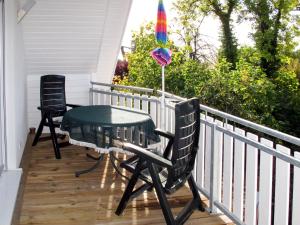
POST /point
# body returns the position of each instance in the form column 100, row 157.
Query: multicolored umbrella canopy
column 161, row 55
column 161, row 24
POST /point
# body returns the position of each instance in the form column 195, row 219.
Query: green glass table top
column 89, row 124
column 106, row 115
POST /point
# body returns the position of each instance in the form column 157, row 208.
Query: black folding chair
column 169, row 171
column 53, row 105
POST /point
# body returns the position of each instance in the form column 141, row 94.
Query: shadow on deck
column 52, row 195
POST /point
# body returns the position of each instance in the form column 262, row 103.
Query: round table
column 96, row 125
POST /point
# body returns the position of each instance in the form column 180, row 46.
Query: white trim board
column 9, row 186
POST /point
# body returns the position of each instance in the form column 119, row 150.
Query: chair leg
column 195, row 192
column 39, row 131
column 129, row 190
column 163, row 201
column 54, row 138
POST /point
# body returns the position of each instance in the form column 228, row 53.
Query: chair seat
column 131, row 163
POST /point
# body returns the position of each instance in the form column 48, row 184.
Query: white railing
column 249, row 172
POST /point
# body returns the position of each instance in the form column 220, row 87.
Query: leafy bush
column 246, row 91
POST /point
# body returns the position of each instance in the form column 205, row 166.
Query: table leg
column 98, row 159
column 112, row 158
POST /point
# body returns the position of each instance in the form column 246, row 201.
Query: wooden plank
column 251, row 182
column 238, row 175
column 53, row 195
column 296, row 193
column 265, row 186
column 228, row 168
column 282, row 185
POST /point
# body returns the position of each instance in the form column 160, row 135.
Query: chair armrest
column 70, row 105
column 168, row 135
column 164, row 133
column 73, row 105
column 147, row 155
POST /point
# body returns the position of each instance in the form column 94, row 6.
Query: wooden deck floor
column 54, row 196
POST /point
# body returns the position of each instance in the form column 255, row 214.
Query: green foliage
column 189, row 20
column 274, row 30
column 143, row 70
column 287, row 105
column 190, row 16
column 246, row 91
column 295, row 63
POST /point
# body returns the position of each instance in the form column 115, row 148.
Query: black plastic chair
column 169, row 171
column 53, row 105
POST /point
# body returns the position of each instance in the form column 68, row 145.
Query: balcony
column 247, row 173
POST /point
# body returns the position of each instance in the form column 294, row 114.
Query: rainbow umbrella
column 161, row 54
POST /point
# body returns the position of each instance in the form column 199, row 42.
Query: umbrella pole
column 163, row 114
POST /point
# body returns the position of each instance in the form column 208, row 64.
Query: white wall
column 15, row 73
column 77, row 92
column 2, row 133
column 63, row 36
column 114, row 27
column 75, row 36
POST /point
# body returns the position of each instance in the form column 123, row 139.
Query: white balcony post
column 216, row 163
column 213, row 166
column 91, row 95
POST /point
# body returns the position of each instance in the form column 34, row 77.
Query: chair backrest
column 52, row 94
column 187, row 127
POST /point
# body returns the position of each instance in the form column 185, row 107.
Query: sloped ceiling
column 74, row 36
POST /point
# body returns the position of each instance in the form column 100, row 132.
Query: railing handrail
column 263, row 129
column 274, row 133
column 124, row 95
column 169, row 95
column 147, row 90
